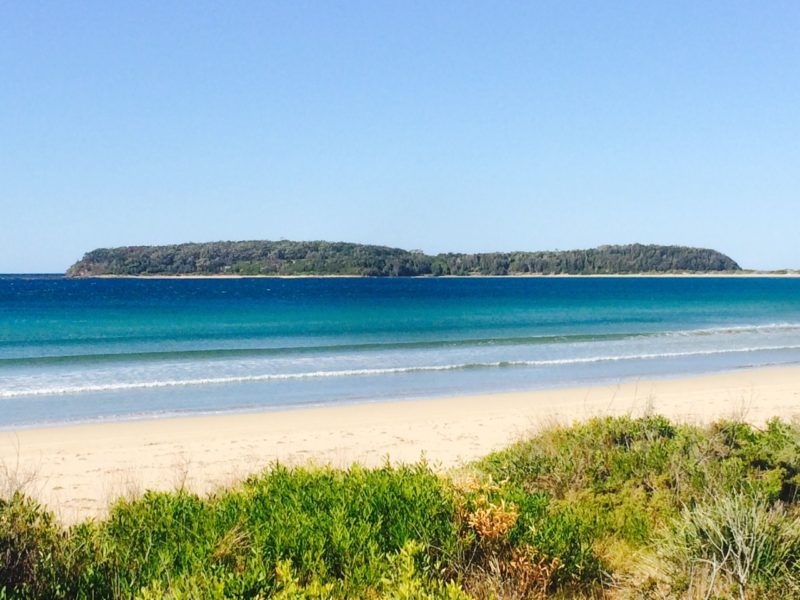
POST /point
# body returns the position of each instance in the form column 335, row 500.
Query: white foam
column 735, row 329
column 168, row 383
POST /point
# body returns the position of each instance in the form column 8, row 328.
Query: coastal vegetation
column 339, row 258
column 609, row 508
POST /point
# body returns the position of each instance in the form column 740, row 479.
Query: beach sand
column 78, row 470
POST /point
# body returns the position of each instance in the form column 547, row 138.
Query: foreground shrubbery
column 614, row 507
column 638, row 486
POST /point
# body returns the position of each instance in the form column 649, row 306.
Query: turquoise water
column 108, row 349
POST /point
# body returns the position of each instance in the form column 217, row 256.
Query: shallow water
column 99, row 349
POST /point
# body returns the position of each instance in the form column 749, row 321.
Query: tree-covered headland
column 340, row 258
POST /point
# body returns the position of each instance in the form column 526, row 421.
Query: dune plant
column 733, row 543
column 30, row 544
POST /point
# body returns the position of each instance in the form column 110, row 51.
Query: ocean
column 84, row 350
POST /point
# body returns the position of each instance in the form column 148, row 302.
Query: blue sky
column 463, row 126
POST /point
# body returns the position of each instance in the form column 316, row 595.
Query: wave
column 326, row 348
column 169, row 383
column 214, row 353
column 735, row 329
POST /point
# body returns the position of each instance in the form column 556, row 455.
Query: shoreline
column 714, row 274
column 78, row 469
column 745, row 273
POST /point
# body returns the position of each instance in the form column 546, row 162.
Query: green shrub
column 332, row 530
column 30, row 548
column 341, row 524
column 516, row 539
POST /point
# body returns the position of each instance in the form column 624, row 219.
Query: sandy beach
column 78, row 470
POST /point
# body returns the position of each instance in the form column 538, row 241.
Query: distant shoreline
column 718, row 275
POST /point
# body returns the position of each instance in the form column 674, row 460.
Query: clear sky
column 433, row 125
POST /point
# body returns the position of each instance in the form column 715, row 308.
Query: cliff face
column 339, row 258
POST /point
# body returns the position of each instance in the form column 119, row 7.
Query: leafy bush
column 521, row 544
column 29, row 547
column 332, row 530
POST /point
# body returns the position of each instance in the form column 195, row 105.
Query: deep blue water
column 88, row 349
